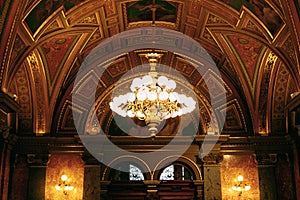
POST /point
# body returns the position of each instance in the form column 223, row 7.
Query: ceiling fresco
column 60, row 34
column 44, row 9
column 262, row 10
column 148, row 10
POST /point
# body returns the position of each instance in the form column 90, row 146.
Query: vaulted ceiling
column 254, row 43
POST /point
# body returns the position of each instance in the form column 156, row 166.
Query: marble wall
column 231, row 167
column 70, row 165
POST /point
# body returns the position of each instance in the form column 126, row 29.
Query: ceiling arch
column 238, row 38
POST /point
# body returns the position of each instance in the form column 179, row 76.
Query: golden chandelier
column 152, row 99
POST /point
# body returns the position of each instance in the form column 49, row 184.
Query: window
column 127, row 172
column 176, row 172
column 135, row 174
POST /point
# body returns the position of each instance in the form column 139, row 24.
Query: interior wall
column 231, row 167
column 70, row 165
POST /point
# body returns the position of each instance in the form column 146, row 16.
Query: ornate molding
column 38, row 159
column 212, row 158
column 265, row 159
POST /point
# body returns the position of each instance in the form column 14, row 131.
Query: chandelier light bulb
column 163, row 96
column 131, row 97
column 139, row 114
column 171, row 84
column 130, row 113
column 152, row 96
column 172, row 97
column 162, row 81
column 141, row 95
column 147, row 80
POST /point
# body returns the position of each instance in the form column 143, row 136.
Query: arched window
column 126, row 172
column 135, row 174
column 176, row 172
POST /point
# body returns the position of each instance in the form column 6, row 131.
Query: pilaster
column 266, row 174
column 37, row 176
column 212, row 176
column 92, row 178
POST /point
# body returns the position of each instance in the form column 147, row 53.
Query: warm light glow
column 247, row 187
column 240, row 186
column 65, row 187
column 240, row 178
column 57, row 187
column 64, row 177
column 152, row 99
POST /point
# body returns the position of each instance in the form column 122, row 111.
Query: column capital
column 38, row 159
column 265, row 158
column 212, row 158
column 6, row 136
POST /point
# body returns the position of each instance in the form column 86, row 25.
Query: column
column 92, row 178
column 212, row 177
column 19, row 187
column 8, row 129
column 37, row 176
column 266, row 175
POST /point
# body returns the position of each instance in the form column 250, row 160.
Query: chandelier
column 152, row 99
column 240, row 186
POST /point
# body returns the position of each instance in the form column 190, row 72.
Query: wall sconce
column 64, row 186
column 240, row 186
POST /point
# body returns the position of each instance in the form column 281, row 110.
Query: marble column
column 212, row 176
column 91, row 184
column 266, row 174
column 37, row 176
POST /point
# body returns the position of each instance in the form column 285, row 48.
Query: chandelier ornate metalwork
column 152, row 99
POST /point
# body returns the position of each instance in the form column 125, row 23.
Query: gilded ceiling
column 254, row 43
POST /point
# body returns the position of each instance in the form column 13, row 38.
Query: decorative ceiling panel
column 248, row 50
column 23, row 92
column 55, row 51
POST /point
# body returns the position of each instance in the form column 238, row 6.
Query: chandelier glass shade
column 152, row 99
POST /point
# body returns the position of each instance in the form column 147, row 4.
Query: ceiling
column 254, row 43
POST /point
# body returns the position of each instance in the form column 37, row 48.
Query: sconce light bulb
column 240, row 178
column 64, row 177
column 57, row 187
column 247, row 187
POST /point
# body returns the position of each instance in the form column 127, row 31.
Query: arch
column 183, row 160
column 128, row 160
